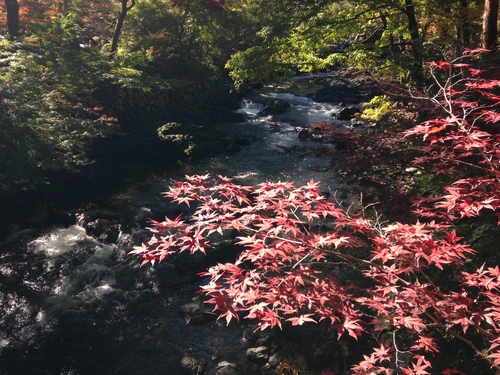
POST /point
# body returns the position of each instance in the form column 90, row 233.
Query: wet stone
column 276, row 107
column 103, row 230
column 258, row 355
column 259, row 338
column 193, row 366
column 197, row 312
column 276, row 358
column 347, row 113
column 228, row 368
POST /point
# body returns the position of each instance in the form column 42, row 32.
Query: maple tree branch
column 449, row 110
column 397, row 351
column 487, row 334
column 460, row 337
column 478, row 167
column 274, row 237
column 347, row 257
column 304, row 258
column 492, row 167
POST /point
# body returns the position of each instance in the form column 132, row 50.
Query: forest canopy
column 261, row 40
column 78, row 73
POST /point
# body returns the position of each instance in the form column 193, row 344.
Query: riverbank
column 373, row 158
column 117, row 161
column 74, row 128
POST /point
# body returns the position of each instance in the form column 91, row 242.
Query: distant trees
column 391, row 36
column 191, row 32
column 273, row 39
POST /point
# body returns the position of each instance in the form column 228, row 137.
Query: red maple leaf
column 299, row 320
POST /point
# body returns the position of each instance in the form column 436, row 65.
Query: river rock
column 347, row 113
column 258, row 338
column 100, row 224
column 311, row 134
column 104, row 230
column 228, row 368
column 276, row 107
column 258, row 355
column 276, row 358
column 357, row 122
column 197, row 312
column 193, row 366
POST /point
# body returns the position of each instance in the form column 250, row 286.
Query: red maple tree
column 295, row 242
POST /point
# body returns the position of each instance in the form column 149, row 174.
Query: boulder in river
column 258, row 355
column 103, row 230
column 276, row 107
column 347, row 113
column 197, row 312
column 193, row 366
column 228, row 368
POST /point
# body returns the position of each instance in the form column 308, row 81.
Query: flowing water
column 72, row 304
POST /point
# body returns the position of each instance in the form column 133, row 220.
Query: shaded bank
column 60, row 149
column 117, row 160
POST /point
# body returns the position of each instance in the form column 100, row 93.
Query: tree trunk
column 12, row 10
column 490, row 25
column 63, row 6
column 417, row 72
column 464, row 26
column 119, row 24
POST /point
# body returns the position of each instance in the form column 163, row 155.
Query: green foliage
column 483, row 234
column 429, row 184
column 257, row 65
column 290, row 39
column 363, row 34
column 158, row 35
column 50, row 84
column 39, row 127
column 146, row 41
column 64, row 31
column 92, row 20
column 170, row 133
column 379, row 108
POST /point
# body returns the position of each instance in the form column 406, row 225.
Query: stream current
column 73, row 304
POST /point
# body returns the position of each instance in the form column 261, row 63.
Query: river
column 72, row 303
